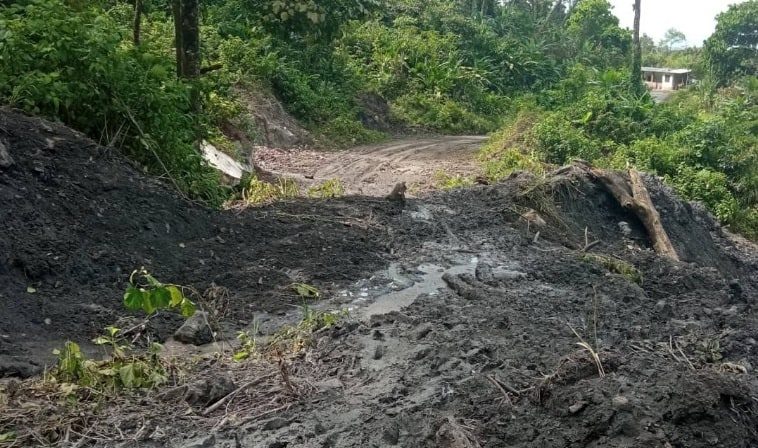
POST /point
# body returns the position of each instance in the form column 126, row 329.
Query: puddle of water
column 431, row 282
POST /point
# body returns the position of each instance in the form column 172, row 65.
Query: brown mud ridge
column 464, row 324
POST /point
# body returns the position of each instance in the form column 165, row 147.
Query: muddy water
column 430, row 283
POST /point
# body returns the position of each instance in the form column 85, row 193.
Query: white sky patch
column 695, row 18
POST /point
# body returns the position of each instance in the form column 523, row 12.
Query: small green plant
column 248, row 343
column 146, row 293
column 123, row 371
column 306, row 291
column 331, row 188
column 293, row 339
column 445, row 181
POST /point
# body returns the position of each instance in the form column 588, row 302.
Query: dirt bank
column 464, row 324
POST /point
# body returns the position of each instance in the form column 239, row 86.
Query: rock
column 423, row 330
column 452, row 435
column 578, row 406
column 207, row 441
column 391, row 434
column 663, row 308
column 195, row 330
column 625, row 229
column 5, row 156
column 274, row 423
column 621, row 403
column 207, row 391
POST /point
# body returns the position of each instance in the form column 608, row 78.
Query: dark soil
column 485, row 354
column 76, row 219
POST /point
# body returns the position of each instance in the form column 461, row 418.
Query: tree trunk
column 638, row 202
column 191, row 43
column 190, row 12
column 137, row 21
column 636, row 74
column 176, row 8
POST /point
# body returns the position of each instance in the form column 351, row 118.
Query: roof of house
column 676, row 71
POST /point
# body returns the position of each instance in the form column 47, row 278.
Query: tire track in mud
column 373, row 170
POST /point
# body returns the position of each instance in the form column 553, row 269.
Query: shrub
column 73, row 65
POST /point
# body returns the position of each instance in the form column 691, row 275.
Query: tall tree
column 673, row 39
column 137, row 21
column 732, row 50
column 636, row 74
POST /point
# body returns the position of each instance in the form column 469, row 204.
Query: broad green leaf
column 127, row 375
column 133, row 298
column 176, row 295
column 241, row 356
column 148, row 302
column 187, row 307
column 101, row 340
column 161, row 298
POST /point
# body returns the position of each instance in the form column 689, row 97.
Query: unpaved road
column 373, row 170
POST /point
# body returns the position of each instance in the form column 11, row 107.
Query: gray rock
column 196, row 330
column 208, row 441
column 209, row 390
column 578, row 406
column 621, row 403
column 5, row 156
column 423, row 330
column 274, row 424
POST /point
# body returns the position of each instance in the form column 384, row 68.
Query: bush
column 440, row 114
column 73, row 65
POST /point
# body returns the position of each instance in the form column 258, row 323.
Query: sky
column 695, row 18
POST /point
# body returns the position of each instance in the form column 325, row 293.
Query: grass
column 330, row 188
column 445, row 181
column 615, row 266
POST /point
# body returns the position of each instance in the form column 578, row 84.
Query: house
column 666, row 78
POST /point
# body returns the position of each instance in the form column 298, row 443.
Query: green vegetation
column 126, row 368
column 148, row 294
column 330, row 188
column 703, row 141
column 445, row 181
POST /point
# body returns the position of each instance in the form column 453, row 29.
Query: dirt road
column 373, row 170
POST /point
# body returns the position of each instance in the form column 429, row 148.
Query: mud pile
column 470, row 325
column 76, row 219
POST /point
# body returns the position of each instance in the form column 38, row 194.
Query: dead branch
column 634, row 196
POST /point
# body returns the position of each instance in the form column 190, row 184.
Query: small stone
column 423, row 330
column 208, row 441
column 207, row 391
column 274, row 423
column 625, row 229
column 578, row 406
column 391, row 434
column 621, row 403
column 195, row 330
column 48, row 321
column 6, row 160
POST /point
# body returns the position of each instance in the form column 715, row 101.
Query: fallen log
column 633, row 196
